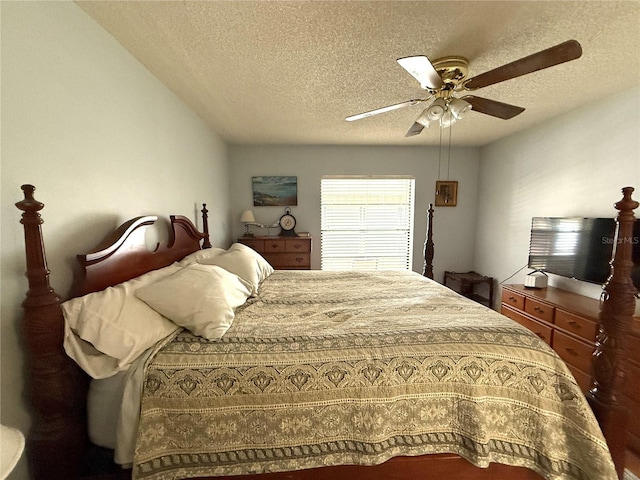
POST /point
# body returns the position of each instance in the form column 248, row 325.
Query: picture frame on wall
column 446, row 193
column 275, row 191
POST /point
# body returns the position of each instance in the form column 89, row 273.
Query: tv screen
column 579, row 248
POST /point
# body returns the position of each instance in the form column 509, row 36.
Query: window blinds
column 367, row 223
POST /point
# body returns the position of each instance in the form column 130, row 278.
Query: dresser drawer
column 297, row 245
column 538, row 309
column 577, row 325
column 573, row 351
column 289, row 261
column 513, row 299
column 539, row 329
column 256, row 244
column 273, row 245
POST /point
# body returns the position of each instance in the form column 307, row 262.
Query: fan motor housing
column 453, row 70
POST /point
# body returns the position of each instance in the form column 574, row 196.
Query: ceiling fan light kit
column 448, row 75
column 445, row 111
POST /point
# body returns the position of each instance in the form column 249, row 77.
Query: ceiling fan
column 447, row 76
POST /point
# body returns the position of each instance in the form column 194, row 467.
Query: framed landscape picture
column 279, row 191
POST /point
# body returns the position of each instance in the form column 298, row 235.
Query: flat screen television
column 579, row 248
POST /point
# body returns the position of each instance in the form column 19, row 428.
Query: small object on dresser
column 536, row 279
column 247, row 218
column 287, row 224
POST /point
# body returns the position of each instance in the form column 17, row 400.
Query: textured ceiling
column 289, row 72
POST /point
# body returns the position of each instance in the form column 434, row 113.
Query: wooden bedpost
column 616, row 316
column 56, row 441
column 428, row 245
column 206, row 243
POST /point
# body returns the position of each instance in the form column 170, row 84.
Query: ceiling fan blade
column 421, row 69
column 388, row 108
column 493, row 107
column 569, row 50
column 415, row 129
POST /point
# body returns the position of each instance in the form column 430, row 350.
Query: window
column 366, row 223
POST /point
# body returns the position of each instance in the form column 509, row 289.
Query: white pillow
column 201, row 255
column 200, row 298
column 107, row 330
column 245, row 262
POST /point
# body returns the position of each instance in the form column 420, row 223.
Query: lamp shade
column 459, row 107
column 423, row 119
column 436, row 109
column 247, row 216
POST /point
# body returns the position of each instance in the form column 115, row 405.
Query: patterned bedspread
column 355, row 368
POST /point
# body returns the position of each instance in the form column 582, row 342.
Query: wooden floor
column 633, row 463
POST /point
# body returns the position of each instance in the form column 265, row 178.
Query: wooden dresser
column 569, row 323
column 283, row 253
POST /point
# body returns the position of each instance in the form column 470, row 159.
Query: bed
column 398, row 378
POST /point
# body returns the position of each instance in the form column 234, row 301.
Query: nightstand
column 470, row 285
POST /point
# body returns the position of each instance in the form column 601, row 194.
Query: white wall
column 102, row 140
column 574, row 165
column 453, row 226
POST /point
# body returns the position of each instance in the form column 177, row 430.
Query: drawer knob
column 539, row 310
column 274, row 245
column 296, row 246
column 512, row 299
column 299, row 259
column 571, row 351
column 574, row 324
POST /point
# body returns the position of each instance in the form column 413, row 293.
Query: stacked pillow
column 200, row 298
column 243, row 261
column 106, row 331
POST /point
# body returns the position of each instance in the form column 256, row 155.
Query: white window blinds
column 366, row 223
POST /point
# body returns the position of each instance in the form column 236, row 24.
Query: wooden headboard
column 123, row 255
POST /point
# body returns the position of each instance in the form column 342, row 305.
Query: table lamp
column 247, row 218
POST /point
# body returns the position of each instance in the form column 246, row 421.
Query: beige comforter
column 354, row 368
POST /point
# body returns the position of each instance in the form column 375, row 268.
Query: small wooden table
column 466, row 283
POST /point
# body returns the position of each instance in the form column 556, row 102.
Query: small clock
column 287, row 224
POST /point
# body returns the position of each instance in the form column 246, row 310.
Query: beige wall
column 454, row 228
column 102, row 140
column 574, row 165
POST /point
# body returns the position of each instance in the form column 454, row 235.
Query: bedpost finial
column 206, row 243
column 627, row 203
column 29, row 204
column 28, row 191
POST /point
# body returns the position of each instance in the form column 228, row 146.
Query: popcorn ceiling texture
column 289, row 72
